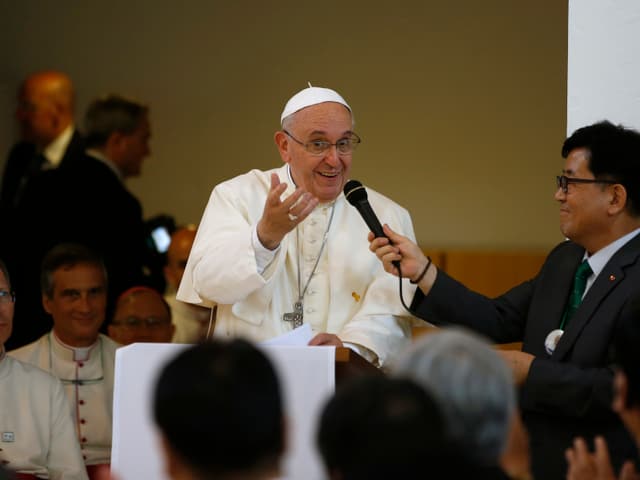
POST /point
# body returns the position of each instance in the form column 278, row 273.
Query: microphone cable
column 396, row 263
column 400, row 288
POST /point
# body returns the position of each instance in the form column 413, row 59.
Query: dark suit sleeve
column 449, row 301
column 579, row 382
column 562, row 388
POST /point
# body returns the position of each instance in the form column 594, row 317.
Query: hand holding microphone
column 397, row 247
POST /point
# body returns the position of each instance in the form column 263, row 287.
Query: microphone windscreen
column 355, row 192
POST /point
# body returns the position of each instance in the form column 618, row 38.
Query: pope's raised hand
column 279, row 216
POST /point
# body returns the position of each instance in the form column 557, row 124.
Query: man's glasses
column 137, row 322
column 7, row 296
column 562, row 181
column 344, row 146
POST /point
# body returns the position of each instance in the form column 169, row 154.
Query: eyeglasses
column 562, row 181
column 344, row 146
column 7, row 296
column 137, row 322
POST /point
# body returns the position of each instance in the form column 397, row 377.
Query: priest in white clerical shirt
column 74, row 293
column 37, row 438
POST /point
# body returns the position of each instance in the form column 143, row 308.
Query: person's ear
column 618, row 200
column 282, row 142
column 115, row 142
column 46, row 304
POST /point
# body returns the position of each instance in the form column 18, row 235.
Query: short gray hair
column 66, row 255
column 472, row 384
column 110, row 114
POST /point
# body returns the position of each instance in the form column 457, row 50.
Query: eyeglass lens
column 6, row 296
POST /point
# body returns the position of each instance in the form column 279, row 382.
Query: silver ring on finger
column 292, row 217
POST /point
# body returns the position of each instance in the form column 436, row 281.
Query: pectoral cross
column 294, row 317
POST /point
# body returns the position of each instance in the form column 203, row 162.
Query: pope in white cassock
column 280, row 248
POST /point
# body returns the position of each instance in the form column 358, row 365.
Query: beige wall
column 461, row 105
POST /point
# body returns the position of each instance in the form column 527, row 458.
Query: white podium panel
column 306, row 376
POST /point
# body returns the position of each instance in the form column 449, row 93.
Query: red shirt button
column 81, row 402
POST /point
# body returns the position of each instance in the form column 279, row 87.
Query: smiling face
column 78, row 303
column 321, row 175
column 584, row 209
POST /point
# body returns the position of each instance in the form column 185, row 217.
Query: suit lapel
column 74, row 151
column 609, row 278
column 555, row 285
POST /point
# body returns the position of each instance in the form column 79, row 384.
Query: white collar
column 55, row 150
column 598, row 260
column 70, row 352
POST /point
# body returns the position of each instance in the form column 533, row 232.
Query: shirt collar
column 291, row 182
column 598, row 260
column 55, row 150
column 68, row 352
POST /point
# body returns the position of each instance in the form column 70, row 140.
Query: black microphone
column 357, row 196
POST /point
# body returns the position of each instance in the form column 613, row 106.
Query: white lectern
column 307, row 379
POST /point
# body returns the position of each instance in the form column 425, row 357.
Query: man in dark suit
column 118, row 133
column 49, row 141
column 48, row 136
column 585, row 465
column 88, row 203
column 565, row 367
